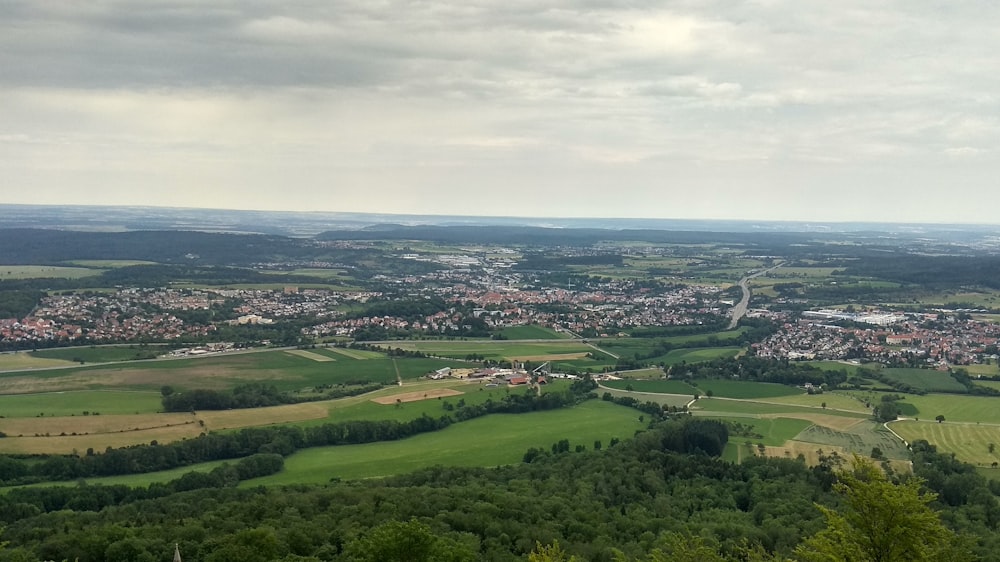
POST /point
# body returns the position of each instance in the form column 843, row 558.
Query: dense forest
column 635, row 501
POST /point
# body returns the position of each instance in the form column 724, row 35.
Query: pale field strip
column 233, row 419
column 346, row 353
column 840, row 423
column 310, row 355
column 550, row 357
column 94, row 425
column 417, row 396
column 23, row 360
column 209, row 376
column 792, row 449
column 68, row 444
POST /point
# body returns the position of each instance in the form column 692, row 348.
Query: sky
column 851, row 110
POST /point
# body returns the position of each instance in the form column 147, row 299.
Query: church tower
column 177, row 553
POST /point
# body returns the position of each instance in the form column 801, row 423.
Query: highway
column 741, row 307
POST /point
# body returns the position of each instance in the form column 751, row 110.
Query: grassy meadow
column 15, row 272
column 969, row 442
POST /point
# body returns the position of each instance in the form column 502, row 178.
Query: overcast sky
column 767, row 109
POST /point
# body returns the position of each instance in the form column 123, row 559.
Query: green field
column 988, row 384
column 925, row 379
column 13, row 361
column 101, row 354
column 860, row 439
column 532, row 332
column 110, row 264
column 980, row 369
column 284, row 370
column 656, row 386
column 675, row 400
column 10, row 272
column 833, row 400
column 105, row 402
column 774, row 432
column 489, row 441
column 717, row 407
column 956, row 407
column 744, row 389
column 697, row 355
column 496, row 349
column 969, row 442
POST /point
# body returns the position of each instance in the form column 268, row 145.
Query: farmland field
column 833, row 400
column 498, row 350
column 969, row 442
column 532, row 332
column 744, row 389
column 105, row 402
column 676, row 400
column 25, row 360
column 101, row 354
column 988, row 384
column 285, row 371
column 656, row 386
column 722, row 407
column 10, row 272
column 956, row 407
column 110, row 264
column 489, row 441
column 859, row 439
column 925, row 379
column 697, row 354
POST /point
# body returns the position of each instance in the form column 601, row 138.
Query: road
column 741, row 307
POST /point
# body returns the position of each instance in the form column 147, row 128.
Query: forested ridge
column 631, row 501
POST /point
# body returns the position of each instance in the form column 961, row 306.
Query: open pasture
column 982, row 369
column 925, row 379
column 250, row 417
column 956, row 407
column 489, row 441
column 675, row 400
column 285, row 371
column 744, row 408
column 493, row 349
column 833, row 401
column 68, row 444
column 101, row 353
column 774, row 431
column 90, row 425
column 75, row 403
column 311, row 355
column 417, row 396
column 697, row 355
column 653, row 386
column 17, row 361
column 110, row 264
column 859, row 439
column 358, row 354
column 744, row 389
column 532, row 332
column 969, row 442
column 988, row 384
column 13, row 272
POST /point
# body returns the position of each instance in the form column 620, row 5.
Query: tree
column 939, row 418
column 550, row 553
column 412, row 541
column 881, row 522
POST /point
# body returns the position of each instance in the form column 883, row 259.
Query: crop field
column 99, row 402
column 655, row 386
column 675, row 400
column 743, row 408
column 954, row 407
column 775, row 431
column 849, row 368
column 20, row 360
column 359, row 354
column 532, row 332
column 10, row 272
column 859, row 439
column 744, row 389
column 643, row 374
column 969, row 442
column 68, row 444
column 497, row 350
column 285, row 371
column 988, row 384
column 110, row 264
column 833, row 401
column 310, row 355
column 697, row 355
column 980, row 369
column 926, row 379
column 489, row 441
column 101, row 354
